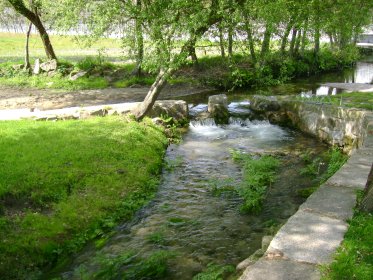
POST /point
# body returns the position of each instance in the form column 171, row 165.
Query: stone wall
column 344, row 127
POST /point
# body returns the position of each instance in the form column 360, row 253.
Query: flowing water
column 197, row 226
column 185, row 218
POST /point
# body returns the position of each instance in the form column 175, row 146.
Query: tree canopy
column 161, row 34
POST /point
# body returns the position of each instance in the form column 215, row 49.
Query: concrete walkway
column 351, row 86
column 313, row 234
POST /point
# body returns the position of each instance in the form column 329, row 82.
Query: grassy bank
column 361, row 100
column 12, row 47
column 65, row 183
column 354, row 259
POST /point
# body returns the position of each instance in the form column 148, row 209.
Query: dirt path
column 17, row 98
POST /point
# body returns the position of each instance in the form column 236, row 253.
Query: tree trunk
column 27, row 52
column 230, row 40
column 153, row 93
column 221, row 39
column 367, row 202
column 304, row 36
column 297, row 43
column 251, row 42
column 293, row 40
column 266, row 41
column 284, row 40
column 317, row 40
column 139, row 42
column 34, row 18
column 192, row 51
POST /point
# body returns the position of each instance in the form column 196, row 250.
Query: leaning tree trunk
column 27, row 52
column 153, row 93
column 49, row 51
column 33, row 17
column 367, row 202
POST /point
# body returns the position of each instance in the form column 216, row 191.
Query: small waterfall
column 210, row 122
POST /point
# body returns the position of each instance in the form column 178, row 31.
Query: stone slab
column 331, row 201
column 280, row 270
column 308, row 237
column 354, row 173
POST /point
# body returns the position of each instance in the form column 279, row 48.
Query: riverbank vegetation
column 258, row 173
column 59, row 189
column 278, row 40
column 354, row 258
column 361, row 100
column 320, row 168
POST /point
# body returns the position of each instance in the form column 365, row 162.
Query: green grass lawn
column 361, row 100
column 67, row 47
column 354, row 259
column 65, row 183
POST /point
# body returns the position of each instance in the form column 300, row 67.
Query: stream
column 187, row 219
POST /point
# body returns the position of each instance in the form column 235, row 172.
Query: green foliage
column 131, row 267
column 320, row 169
column 258, row 175
column 222, row 186
column 59, row 173
column 215, row 272
column 335, row 159
column 157, row 238
column 354, row 258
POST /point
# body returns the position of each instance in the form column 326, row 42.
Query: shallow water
column 195, row 225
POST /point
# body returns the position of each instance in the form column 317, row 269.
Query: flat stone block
column 280, row 270
column 331, row 201
column 354, row 173
column 308, row 237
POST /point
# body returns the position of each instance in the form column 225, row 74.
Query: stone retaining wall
column 344, row 127
column 312, row 235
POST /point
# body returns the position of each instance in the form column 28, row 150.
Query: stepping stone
column 308, row 237
column 280, row 270
column 331, row 201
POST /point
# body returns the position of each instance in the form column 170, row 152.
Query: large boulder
column 218, row 108
column 177, row 109
column 49, row 66
column 263, row 104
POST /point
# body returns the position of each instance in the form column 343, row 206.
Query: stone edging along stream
column 311, row 236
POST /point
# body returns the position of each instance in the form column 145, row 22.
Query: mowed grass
column 354, row 259
column 12, row 47
column 65, row 183
column 361, row 100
